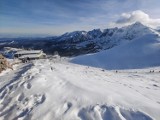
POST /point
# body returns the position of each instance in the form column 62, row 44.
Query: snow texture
column 55, row 89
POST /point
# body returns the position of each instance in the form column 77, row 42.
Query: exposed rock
column 4, row 64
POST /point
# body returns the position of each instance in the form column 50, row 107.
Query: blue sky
column 55, row 17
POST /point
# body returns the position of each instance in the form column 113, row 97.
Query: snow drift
column 58, row 90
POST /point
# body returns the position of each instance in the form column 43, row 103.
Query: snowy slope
column 58, row 90
column 138, row 53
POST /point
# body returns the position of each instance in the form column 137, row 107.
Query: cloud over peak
column 136, row 16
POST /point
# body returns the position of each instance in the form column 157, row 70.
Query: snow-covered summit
column 137, row 29
column 142, row 50
column 115, row 36
column 129, row 32
column 78, row 36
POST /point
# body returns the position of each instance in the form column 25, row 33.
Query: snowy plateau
column 121, row 83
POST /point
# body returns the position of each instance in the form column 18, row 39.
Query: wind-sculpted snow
column 105, row 112
column 14, row 102
column 55, row 89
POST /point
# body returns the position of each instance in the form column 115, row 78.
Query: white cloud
column 136, row 16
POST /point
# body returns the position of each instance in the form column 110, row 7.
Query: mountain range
column 81, row 42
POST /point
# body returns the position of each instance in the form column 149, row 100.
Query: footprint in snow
column 147, row 88
column 39, row 99
column 27, row 85
column 155, row 85
column 67, row 106
column 5, row 103
column 158, row 102
column 21, row 97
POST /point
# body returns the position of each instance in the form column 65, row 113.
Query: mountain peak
column 138, row 23
column 139, row 27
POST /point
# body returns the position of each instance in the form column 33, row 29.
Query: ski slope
column 59, row 90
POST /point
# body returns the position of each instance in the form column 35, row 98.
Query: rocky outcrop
column 4, row 64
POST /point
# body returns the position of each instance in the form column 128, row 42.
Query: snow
column 56, row 89
column 29, row 52
column 30, row 56
column 139, row 53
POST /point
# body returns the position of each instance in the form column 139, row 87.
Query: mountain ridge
column 82, row 42
column 139, row 53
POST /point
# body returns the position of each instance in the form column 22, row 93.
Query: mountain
column 81, row 42
column 141, row 52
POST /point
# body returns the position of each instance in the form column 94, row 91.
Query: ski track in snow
column 46, row 90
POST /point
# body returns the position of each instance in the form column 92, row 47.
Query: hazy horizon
column 54, row 17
